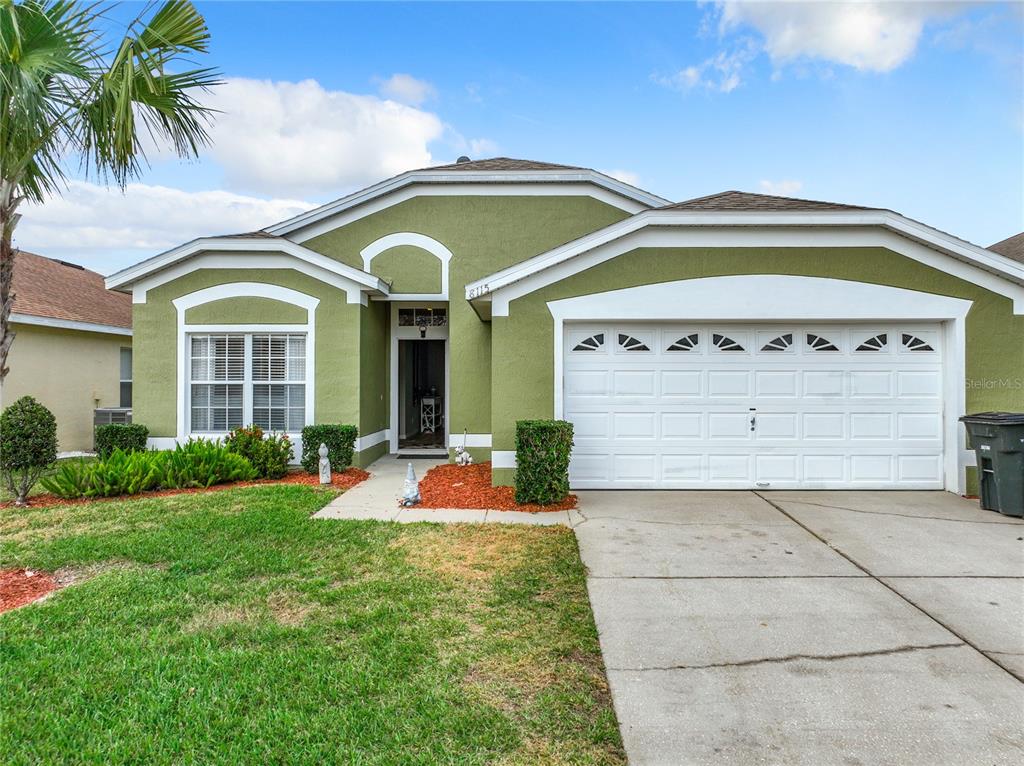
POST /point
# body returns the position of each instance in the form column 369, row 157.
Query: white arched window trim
column 241, row 290
column 412, row 239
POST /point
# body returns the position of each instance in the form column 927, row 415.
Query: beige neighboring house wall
column 70, row 372
column 69, row 332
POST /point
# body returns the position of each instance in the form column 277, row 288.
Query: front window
column 278, row 387
column 126, row 378
column 257, row 378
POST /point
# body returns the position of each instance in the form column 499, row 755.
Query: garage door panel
column 682, row 383
column 682, row 425
column 634, row 425
column 776, row 383
column 729, row 425
column 833, row 406
column 728, row 383
column 587, row 382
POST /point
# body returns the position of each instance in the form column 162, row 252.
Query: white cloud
column 722, row 72
column 626, row 176
column 785, row 188
column 89, row 221
column 407, row 89
column 297, row 139
column 869, row 36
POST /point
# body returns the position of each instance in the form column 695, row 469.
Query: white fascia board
column 765, row 229
column 468, row 182
column 70, row 324
column 136, row 273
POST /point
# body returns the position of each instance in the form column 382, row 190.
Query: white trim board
column 411, row 239
column 777, row 298
column 69, row 324
column 432, row 183
column 242, row 290
column 246, row 253
column 472, row 440
column 667, row 228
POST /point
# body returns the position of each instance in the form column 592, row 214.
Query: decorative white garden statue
column 325, row 465
column 462, row 457
column 411, row 491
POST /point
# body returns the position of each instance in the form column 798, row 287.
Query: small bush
column 340, row 441
column 543, row 449
column 127, row 437
column 28, row 445
column 198, row 463
column 269, row 455
column 121, row 473
column 203, row 463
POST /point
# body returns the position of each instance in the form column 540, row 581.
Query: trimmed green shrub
column 543, row 449
column 340, row 441
column 28, row 445
column 198, row 463
column 269, row 455
column 127, row 437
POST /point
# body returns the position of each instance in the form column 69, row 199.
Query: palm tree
column 69, row 96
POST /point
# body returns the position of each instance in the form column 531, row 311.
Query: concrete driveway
column 809, row 627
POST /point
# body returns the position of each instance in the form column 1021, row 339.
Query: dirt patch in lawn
column 23, row 586
column 343, row 480
column 469, row 486
column 468, row 553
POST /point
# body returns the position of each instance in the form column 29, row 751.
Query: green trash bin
column 998, row 441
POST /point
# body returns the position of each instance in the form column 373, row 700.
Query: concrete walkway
column 809, row 627
column 378, row 498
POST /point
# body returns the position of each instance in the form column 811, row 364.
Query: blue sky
column 918, row 107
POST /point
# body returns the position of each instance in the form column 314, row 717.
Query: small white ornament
column 462, row 457
column 411, row 490
column 325, row 465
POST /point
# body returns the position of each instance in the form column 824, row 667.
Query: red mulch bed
column 339, row 479
column 469, row 486
column 23, row 586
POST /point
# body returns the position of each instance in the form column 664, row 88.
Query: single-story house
column 72, row 349
column 731, row 341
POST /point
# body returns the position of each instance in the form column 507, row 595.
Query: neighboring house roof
column 738, row 200
column 504, row 174
column 60, row 294
column 1011, row 247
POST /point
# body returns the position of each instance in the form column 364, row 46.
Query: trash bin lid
column 995, row 418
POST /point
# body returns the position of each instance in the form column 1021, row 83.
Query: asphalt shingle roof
column 45, row 287
column 747, row 201
column 1011, row 247
column 504, row 163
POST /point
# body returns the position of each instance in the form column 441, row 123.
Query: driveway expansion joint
column 879, row 579
column 890, row 513
column 797, row 657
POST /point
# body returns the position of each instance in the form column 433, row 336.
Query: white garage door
column 748, row 406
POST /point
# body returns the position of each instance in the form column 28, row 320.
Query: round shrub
column 269, row 455
column 28, row 445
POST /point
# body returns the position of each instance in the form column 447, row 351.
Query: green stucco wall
column 484, row 234
column 246, row 311
column 337, row 346
column 408, row 269
column 523, row 343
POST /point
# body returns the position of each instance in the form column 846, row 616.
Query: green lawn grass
column 230, row 627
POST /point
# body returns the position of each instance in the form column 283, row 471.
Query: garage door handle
column 753, row 421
